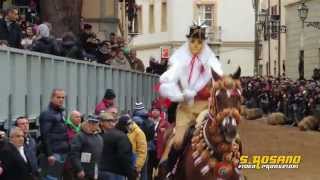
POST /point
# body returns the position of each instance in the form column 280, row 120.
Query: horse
column 213, row 152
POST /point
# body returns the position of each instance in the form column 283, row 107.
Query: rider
column 187, row 80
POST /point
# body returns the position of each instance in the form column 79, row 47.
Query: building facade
column 272, row 38
column 311, row 40
column 236, row 22
column 103, row 15
column 165, row 23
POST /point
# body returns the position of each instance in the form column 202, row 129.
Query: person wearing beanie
column 44, row 43
column 107, row 102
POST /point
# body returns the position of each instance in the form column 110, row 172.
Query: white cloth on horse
column 191, row 81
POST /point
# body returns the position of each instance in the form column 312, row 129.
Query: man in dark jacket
column 12, row 164
column 10, row 31
column 54, row 135
column 116, row 161
column 86, row 150
column 44, row 43
column 30, row 146
column 70, row 47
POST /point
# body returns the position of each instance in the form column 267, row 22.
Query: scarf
column 73, row 126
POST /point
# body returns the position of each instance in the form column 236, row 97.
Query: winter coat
column 30, row 149
column 46, row 45
column 12, row 163
column 86, row 143
column 160, row 140
column 53, row 131
column 12, row 34
column 117, row 153
column 102, row 106
column 121, row 63
column 146, row 125
column 137, row 65
column 139, row 145
column 71, row 49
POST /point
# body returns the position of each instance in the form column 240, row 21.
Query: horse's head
column 225, row 103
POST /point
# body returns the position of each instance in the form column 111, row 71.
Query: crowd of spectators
column 19, row 32
column 295, row 99
column 105, row 145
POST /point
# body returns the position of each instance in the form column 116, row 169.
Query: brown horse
column 215, row 149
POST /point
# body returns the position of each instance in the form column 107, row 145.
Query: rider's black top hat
column 196, row 31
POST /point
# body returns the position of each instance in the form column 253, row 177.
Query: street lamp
column 255, row 4
column 303, row 11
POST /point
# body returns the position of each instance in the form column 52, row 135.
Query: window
column 137, row 27
column 206, row 14
column 274, row 10
column 151, row 18
column 164, row 17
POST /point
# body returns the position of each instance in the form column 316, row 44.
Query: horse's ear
column 237, row 74
column 215, row 75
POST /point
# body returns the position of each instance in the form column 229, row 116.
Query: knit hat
column 109, row 94
column 44, row 30
column 139, row 106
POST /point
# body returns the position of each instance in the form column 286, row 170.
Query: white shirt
column 23, row 155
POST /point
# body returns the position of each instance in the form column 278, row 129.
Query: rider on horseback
column 188, row 79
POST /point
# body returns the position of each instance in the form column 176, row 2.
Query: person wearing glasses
column 116, row 161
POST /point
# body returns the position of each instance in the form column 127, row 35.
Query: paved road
column 262, row 139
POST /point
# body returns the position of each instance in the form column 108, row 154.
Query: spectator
column 89, row 42
column 113, row 40
column 16, row 161
column 10, row 31
column 73, row 124
column 120, row 61
column 138, row 142
column 114, row 111
column 157, row 68
column 116, row 161
column 70, row 47
column 107, row 102
column 54, row 135
column 28, row 40
column 30, row 146
column 104, row 53
column 158, row 143
column 140, row 117
column 86, row 149
column 44, row 43
column 73, row 128
column 135, row 62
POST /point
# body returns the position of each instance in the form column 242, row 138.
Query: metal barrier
column 27, row 79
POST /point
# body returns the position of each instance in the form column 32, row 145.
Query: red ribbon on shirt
column 194, row 59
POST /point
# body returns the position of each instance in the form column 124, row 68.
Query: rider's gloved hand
column 189, row 94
